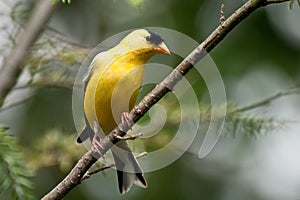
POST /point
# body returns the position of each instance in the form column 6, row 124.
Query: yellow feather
column 113, row 89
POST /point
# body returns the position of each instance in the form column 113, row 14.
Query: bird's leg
column 126, row 122
column 96, row 145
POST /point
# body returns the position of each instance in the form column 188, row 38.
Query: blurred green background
column 260, row 57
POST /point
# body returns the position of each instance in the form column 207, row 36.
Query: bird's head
column 145, row 39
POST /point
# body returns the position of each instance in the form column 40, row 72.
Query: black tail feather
column 85, row 134
column 128, row 169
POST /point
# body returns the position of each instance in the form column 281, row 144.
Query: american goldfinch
column 111, row 89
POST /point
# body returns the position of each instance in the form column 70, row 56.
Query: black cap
column 154, row 38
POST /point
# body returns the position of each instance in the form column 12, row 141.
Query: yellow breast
column 114, row 89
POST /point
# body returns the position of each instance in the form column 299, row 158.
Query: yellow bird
column 111, row 89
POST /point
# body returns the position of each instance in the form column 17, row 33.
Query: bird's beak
column 162, row 48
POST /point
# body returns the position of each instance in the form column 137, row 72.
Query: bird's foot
column 96, row 145
column 126, row 122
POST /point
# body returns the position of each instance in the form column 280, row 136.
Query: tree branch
column 16, row 103
column 268, row 100
column 76, row 174
column 11, row 68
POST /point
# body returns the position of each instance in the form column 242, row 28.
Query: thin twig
column 74, row 177
column 129, row 137
column 16, row 103
column 40, row 84
column 268, row 100
column 222, row 16
column 89, row 173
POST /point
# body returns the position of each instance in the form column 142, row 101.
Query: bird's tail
column 86, row 133
column 128, row 169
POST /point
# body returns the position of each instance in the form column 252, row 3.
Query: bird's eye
column 148, row 38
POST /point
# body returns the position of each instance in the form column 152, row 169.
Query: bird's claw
column 96, row 145
column 126, row 122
